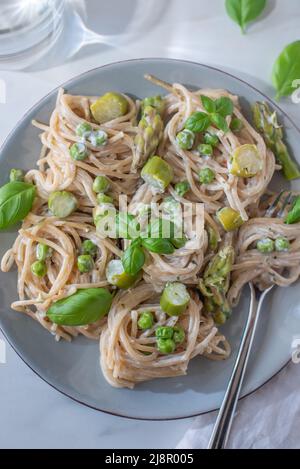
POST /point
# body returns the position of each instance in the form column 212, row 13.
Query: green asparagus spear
column 266, row 123
column 150, row 132
column 215, row 284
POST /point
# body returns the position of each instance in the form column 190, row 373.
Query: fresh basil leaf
column 286, row 70
column 133, row 259
column 84, row 307
column 294, row 213
column 244, row 11
column 224, row 106
column 16, row 200
column 208, row 104
column 158, row 245
column 198, row 122
column 220, row 122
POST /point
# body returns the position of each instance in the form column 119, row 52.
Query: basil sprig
column 286, row 70
column 16, row 200
column 84, row 307
column 160, row 238
column 244, row 11
column 216, row 113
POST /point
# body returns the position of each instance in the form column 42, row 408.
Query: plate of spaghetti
column 134, row 211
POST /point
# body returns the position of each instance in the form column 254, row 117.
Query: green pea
column 282, row 244
column 84, row 129
column 39, row 268
column 62, row 203
column 98, row 138
column 166, row 346
column 43, row 251
column 16, row 175
column 185, row 139
column 179, row 335
column 85, row 263
column 145, row 320
column 205, row 149
column 101, row 184
column 206, row 176
column 164, row 332
column 79, row 151
column 88, row 247
column 265, row 246
column 211, row 139
column 104, row 199
column 182, row 188
column 236, row 125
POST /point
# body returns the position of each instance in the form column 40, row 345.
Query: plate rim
column 2, row 148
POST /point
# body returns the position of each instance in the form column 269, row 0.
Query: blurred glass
column 28, row 29
column 39, row 34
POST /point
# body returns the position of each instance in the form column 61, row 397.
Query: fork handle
column 225, row 417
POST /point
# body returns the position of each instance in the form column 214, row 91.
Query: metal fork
column 222, row 427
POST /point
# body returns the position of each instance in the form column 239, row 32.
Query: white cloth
column 267, row 419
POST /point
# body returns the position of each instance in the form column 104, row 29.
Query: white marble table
column 32, row 413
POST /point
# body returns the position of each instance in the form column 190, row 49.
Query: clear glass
column 28, row 29
column 39, row 34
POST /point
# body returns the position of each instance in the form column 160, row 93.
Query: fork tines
column 276, row 205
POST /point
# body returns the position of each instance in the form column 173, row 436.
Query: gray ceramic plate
column 73, row 368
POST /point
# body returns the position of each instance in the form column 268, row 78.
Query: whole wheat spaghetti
column 212, row 260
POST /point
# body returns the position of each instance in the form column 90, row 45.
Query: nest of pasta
column 129, row 355
column 95, row 150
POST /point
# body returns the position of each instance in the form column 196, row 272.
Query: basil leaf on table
column 244, row 11
column 208, row 104
column 133, row 259
column 16, row 200
column 84, row 307
column 158, row 245
column 286, row 70
column 198, row 122
column 224, row 106
column 294, row 213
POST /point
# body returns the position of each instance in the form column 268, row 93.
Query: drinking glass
column 28, row 29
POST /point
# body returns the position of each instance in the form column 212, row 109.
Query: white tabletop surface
column 32, row 413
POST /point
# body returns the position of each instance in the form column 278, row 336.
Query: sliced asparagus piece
column 266, row 123
column 215, row 284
